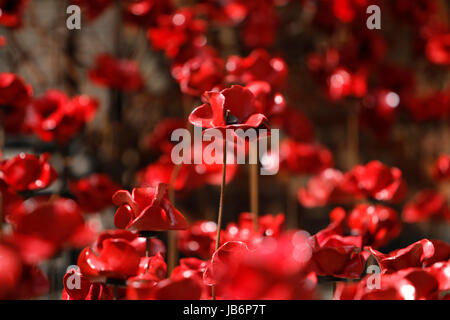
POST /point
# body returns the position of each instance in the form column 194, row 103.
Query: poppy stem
column 222, row 191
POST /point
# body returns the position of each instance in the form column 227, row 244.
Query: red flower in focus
column 415, row 255
column 257, row 66
column 337, row 255
column 11, row 12
column 302, row 158
column 19, row 280
column 93, row 8
column 115, row 73
column 275, row 270
column 201, row 73
column 376, row 224
column 426, row 205
column 113, row 257
column 94, row 192
column 86, row 290
column 177, row 31
column 27, row 172
column 441, row 168
column 14, row 99
column 239, row 101
column 56, row 117
column 379, row 181
column 147, row 209
column 330, row 186
column 42, row 226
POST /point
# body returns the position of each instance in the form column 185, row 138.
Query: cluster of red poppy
column 250, row 260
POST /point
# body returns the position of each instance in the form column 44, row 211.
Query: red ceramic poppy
column 11, row 270
column 10, row 201
column 296, row 125
column 238, row 100
column 441, row 168
column 83, row 289
column 302, row 158
column 330, row 186
column 379, row 181
column 258, row 66
column 260, row 26
column 199, row 74
column 160, row 138
column 426, row 205
column 15, row 96
column 228, row 13
column 198, row 240
column 177, row 31
column 408, row 284
column 56, row 117
column 113, row 258
column 275, row 270
column 93, row 8
column 94, row 193
column 415, row 255
column 115, row 73
column 27, row 172
column 11, row 12
column 147, row 209
column 267, row 102
column 430, row 107
column 45, row 225
column 145, row 13
column 336, row 255
column 438, row 49
column 375, row 223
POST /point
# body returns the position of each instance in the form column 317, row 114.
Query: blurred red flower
column 426, row 205
column 26, row 172
column 54, row 116
column 303, row 158
column 145, row 13
column 19, row 280
column 120, row 74
column 87, row 290
column 415, row 255
column 375, row 223
column 11, row 12
column 94, row 193
column 177, row 31
column 259, row 65
column 42, row 226
column 203, row 72
column 441, row 168
column 15, row 97
column 147, row 209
